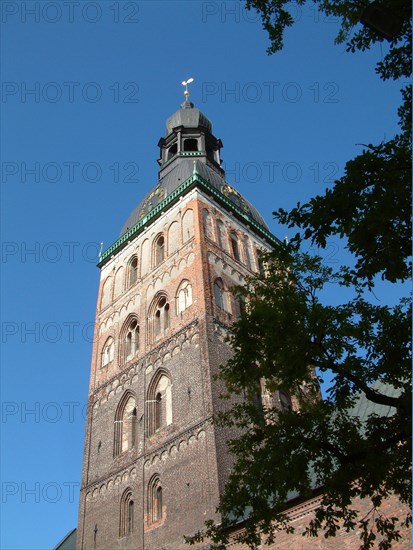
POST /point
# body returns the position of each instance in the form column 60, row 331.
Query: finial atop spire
column 185, row 83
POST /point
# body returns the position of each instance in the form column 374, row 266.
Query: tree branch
column 372, row 395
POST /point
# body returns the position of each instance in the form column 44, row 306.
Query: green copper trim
column 195, row 180
column 184, row 154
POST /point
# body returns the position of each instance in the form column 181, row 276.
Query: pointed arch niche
column 129, row 339
column 125, row 424
column 106, row 296
column 108, row 352
column 118, row 286
column 158, row 317
column 155, row 500
column 187, row 225
column 208, row 224
column 159, row 402
column 126, row 519
column 173, row 238
column 132, row 271
column 221, row 296
column 159, row 253
column 183, row 296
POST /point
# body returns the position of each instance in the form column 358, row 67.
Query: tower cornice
column 193, row 181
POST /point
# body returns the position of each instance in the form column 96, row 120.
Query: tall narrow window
column 155, row 500
column 247, row 253
column 166, row 316
column 158, row 503
column 207, row 221
column 219, row 292
column 258, row 403
column 159, row 402
column 172, row 151
column 131, row 340
column 130, row 516
column 234, row 246
column 159, row 250
column 133, row 271
column 108, row 352
column 285, row 401
column 125, row 424
column 158, row 411
column 260, row 262
column 133, row 427
column 240, row 305
column 222, row 242
column 184, row 297
column 160, row 321
column 126, row 520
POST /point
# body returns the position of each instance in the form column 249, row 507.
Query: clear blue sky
column 80, row 151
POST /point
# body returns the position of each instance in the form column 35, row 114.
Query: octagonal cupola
column 188, row 134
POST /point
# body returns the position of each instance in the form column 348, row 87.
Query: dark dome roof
column 189, row 117
column 177, row 175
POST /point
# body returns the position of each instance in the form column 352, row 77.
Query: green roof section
column 68, row 542
column 195, row 180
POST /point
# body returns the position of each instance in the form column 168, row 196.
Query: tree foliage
column 365, row 350
column 288, row 332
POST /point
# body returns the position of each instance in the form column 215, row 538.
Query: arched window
column 222, row 241
column 240, row 305
column 247, row 253
column 260, row 262
column 108, row 352
column 159, row 250
column 155, row 500
column 125, row 424
column 133, row 271
column 160, row 321
column 234, row 245
column 221, row 299
column 183, row 297
column 208, row 228
column 191, row 145
column 172, row 151
column 285, row 402
column 131, row 343
column 126, row 513
column 159, row 402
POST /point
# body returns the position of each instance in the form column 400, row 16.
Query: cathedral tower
column 154, row 465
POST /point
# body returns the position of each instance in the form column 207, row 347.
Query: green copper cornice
column 195, row 180
column 184, row 154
